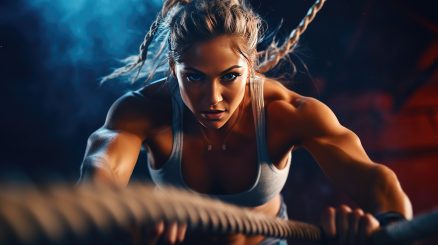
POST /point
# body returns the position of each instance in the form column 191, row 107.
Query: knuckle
column 368, row 216
column 330, row 211
column 366, row 219
column 344, row 209
column 358, row 212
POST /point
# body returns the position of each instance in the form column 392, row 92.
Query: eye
column 194, row 77
column 230, row 76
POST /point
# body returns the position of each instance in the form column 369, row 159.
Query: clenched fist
column 344, row 225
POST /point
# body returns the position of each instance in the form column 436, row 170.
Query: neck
column 218, row 135
column 215, row 138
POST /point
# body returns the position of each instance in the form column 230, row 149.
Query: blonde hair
column 181, row 23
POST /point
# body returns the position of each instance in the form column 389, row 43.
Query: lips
column 213, row 114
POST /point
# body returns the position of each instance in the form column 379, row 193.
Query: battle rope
column 406, row 232
column 100, row 213
column 35, row 216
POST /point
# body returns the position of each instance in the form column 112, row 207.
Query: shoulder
column 141, row 111
column 278, row 98
column 300, row 115
column 156, row 90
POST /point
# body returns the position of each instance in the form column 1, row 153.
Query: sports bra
column 270, row 180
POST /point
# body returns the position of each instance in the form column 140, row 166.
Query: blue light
column 82, row 31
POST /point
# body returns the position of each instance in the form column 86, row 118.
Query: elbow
column 389, row 193
column 95, row 169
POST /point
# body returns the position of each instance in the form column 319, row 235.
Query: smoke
column 80, row 31
column 77, row 43
column 55, row 53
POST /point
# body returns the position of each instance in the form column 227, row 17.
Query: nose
column 213, row 93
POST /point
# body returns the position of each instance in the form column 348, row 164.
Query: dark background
column 373, row 62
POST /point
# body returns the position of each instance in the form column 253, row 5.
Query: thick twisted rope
column 408, row 231
column 274, row 55
column 91, row 214
column 28, row 216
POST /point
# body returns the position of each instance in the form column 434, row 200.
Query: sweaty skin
column 213, row 81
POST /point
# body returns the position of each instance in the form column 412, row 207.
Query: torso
column 223, row 174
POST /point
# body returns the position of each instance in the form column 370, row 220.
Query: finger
column 159, row 229
column 181, row 232
column 353, row 230
column 328, row 222
column 171, row 233
column 367, row 225
column 342, row 223
column 153, row 235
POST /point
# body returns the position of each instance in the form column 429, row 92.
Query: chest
column 218, row 171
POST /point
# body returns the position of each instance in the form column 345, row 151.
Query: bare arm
column 110, row 156
column 112, row 150
column 342, row 158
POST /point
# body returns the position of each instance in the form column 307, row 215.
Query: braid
column 143, row 49
column 141, row 58
column 273, row 54
column 176, row 27
column 168, row 5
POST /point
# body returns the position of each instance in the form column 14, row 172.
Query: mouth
column 213, row 115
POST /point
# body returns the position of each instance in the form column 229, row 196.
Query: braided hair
column 181, row 23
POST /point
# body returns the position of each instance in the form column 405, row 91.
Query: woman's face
column 212, row 78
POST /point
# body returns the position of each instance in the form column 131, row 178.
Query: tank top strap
column 177, row 121
column 172, row 168
column 258, row 108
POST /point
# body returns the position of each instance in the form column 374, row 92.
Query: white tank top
column 269, row 181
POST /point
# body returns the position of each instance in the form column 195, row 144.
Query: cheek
column 187, row 97
column 235, row 94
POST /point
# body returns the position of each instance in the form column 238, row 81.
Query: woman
column 218, row 126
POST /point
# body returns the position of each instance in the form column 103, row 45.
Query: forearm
column 383, row 193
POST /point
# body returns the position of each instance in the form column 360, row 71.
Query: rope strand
column 93, row 214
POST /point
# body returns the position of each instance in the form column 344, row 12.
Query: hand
column 346, row 226
column 172, row 234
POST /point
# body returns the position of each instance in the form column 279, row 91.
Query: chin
column 213, row 124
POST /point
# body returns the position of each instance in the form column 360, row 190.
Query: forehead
column 215, row 54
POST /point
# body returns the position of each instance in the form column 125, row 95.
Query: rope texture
column 59, row 214
column 101, row 213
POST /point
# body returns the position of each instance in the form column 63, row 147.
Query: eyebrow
column 223, row 72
